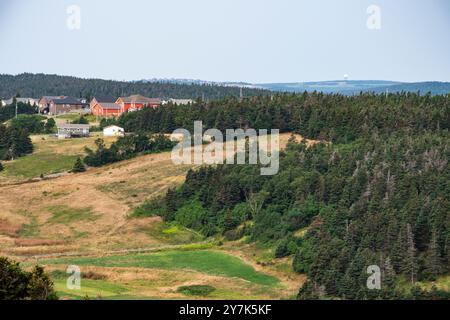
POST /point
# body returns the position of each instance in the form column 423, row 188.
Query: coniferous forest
column 37, row 85
column 376, row 195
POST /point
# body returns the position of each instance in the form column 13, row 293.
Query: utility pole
column 241, row 95
column 16, row 108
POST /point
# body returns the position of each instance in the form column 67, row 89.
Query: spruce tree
column 78, row 166
column 433, row 259
column 410, row 263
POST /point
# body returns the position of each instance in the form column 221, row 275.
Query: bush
column 150, row 208
column 190, row 215
column 50, row 126
column 80, row 120
column 285, row 248
column 196, row 290
column 32, row 123
column 235, row 234
column 18, row 284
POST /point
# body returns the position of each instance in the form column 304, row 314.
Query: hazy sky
column 228, row 40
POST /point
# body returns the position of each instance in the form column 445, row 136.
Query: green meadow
column 205, row 261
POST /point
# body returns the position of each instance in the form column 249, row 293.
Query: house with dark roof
column 67, row 104
column 44, row 103
column 137, row 102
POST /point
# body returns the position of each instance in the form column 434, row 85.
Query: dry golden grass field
column 86, row 216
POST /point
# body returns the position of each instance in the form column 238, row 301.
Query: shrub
column 32, row 123
column 234, row 234
column 80, row 120
column 50, row 126
column 196, row 290
column 190, row 215
column 18, row 284
column 150, row 208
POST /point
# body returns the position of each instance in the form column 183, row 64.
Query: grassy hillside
column 89, row 215
column 50, row 155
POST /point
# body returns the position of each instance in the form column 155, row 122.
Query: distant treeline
column 333, row 118
column 37, row 85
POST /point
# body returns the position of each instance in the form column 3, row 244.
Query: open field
column 51, row 155
column 160, row 274
column 84, row 219
column 205, row 261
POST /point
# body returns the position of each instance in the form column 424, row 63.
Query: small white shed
column 113, row 131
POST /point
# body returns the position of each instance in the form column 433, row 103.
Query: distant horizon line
column 162, row 79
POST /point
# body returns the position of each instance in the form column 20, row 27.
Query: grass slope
column 206, row 261
column 51, row 155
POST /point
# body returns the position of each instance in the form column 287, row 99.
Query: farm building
column 113, row 131
column 73, row 130
column 102, row 99
column 44, row 103
column 67, row 104
column 106, row 109
column 110, row 107
column 137, row 102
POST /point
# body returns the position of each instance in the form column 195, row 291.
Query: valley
column 86, row 219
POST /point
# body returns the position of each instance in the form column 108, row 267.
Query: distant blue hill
column 351, row 87
column 433, row 87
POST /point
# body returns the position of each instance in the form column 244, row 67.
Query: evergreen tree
column 433, row 259
column 410, row 266
column 78, row 166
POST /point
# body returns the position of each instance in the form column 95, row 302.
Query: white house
column 73, row 130
column 113, row 131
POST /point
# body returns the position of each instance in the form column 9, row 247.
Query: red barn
column 106, row 109
column 137, row 102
